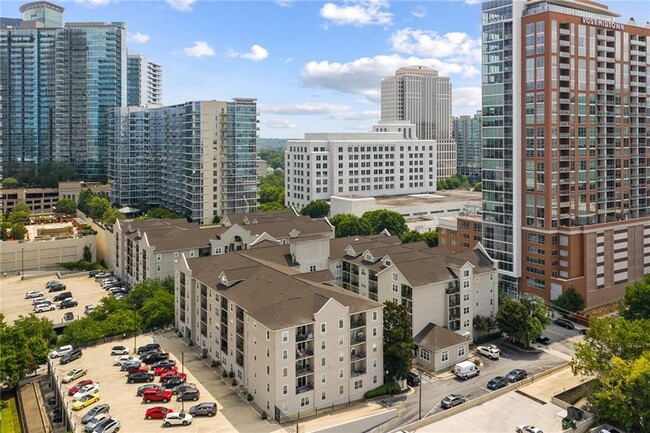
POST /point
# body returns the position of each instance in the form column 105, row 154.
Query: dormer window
column 387, row 262
column 369, row 257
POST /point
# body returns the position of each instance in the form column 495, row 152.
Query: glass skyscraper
column 144, row 81
column 58, row 84
column 467, row 133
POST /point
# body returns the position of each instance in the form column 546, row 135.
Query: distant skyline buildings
column 467, row 133
column 144, row 81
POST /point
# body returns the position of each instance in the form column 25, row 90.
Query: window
column 461, row 351
column 425, row 354
column 395, row 288
column 312, row 268
column 465, row 310
column 374, row 332
column 341, row 340
column 285, row 406
column 358, row 384
column 341, row 389
column 158, row 257
column 374, row 378
column 394, row 276
column 268, row 370
column 268, row 335
column 285, row 354
column 304, row 401
column 285, row 372
column 285, row 336
column 374, row 347
column 268, row 387
column 374, row 316
column 341, row 323
column 445, row 356
column 323, row 395
column 322, row 362
column 466, row 297
column 285, row 390
column 466, row 273
column 465, row 284
column 323, row 378
column 374, row 363
column 322, row 345
column 323, row 328
column 340, row 373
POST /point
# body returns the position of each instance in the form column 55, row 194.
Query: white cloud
column 279, row 123
column 284, row 3
column 419, row 12
column 93, row 3
column 256, row 53
column 333, row 111
column 199, row 49
column 466, row 97
column 357, row 13
column 457, row 46
column 138, row 38
column 181, row 5
column 473, row 2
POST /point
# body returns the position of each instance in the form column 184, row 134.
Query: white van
column 466, row 369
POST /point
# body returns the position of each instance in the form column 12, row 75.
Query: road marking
column 432, row 409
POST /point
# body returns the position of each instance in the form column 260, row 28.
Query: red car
column 171, row 375
column 156, row 395
column 78, row 386
column 157, row 412
column 167, row 368
column 142, row 368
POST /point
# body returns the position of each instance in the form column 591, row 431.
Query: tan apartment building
column 43, row 200
column 459, row 233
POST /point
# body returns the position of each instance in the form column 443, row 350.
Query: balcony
column 305, row 333
column 453, row 287
column 357, row 355
column 357, row 372
column 357, row 337
column 454, row 300
column 304, row 368
column 304, row 350
column 304, row 388
column 357, row 321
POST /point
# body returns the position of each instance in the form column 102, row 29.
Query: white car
column 528, row 429
column 86, row 390
column 89, row 309
column 121, row 360
column 73, row 374
column 491, row 351
column 60, row 351
column 33, row 294
column 177, row 418
column 40, row 308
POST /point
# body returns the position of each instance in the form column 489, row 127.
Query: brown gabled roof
column 324, row 276
column 281, row 227
column 435, row 338
column 169, row 234
column 280, row 215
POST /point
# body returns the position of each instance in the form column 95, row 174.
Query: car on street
column 497, row 382
column 86, row 390
column 156, row 395
column 73, row 374
column 182, row 387
column 41, row 308
column 175, row 418
column 33, row 294
column 452, row 400
column 123, row 359
column 188, row 394
column 96, row 421
column 68, row 303
column 172, row 375
column 79, row 385
column 412, row 379
column 206, row 408
column 543, row 339
column 135, row 363
column 157, row 412
column 527, row 429
column 93, row 273
column 516, row 375
column 491, row 351
column 164, row 369
column 85, row 401
column 163, row 363
column 119, row 350
column 565, row 323
column 60, row 351
column 54, row 283
column 71, row 356
column 140, row 377
column 97, row 410
column 37, row 301
column 143, row 388
column 113, row 426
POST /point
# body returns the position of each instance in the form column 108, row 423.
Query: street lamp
column 183, row 372
column 135, row 331
column 22, row 262
column 420, row 395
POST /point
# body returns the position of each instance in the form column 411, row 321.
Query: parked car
column 466, row 369
column 412, row 379
column 182, row 387
column 543, row 339
column 143, row 368
column 516, row 375
column 583, row 331
column 51, row 400
column 497, row 382
column 71, row 356
column 85, row 401
column 163, row 363
column 93, row 273
column 96, row 421
column 175, row 418
column 130, row 364
column 60, row 351
column 164, row 369
column 37, row 301
column 68, row 317
column 171, row 383
column 119, row 296
column 61, row 296
column 565, row 323
column 148, row 347
column 139, row 377
column 33, row 294
column 97, row 410
column 156, row 395
column 490, row 350
column 527, row 429
column 102, row 275
column 119, row 350
column 205, row 408
column 78, row 386
column 143, row 388
column 157, row 412
column 68, row 303
column 57, row 416
column 188, row 394
column 89, row 309
column 56, row 288
column 452, row 400
column 86, row 390
column 41, row 308
column 73, row 374
column 172, row 375
column 112, row 426
column 154, row 357
column 121, row 360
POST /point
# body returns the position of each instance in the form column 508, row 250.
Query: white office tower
column 417, row 94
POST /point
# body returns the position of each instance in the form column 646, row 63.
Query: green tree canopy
column 274, row 158
column 269, row 207
column 85, row 195
column 431, row 238
column 19, row 214
column 411, row 236
column 271, row 194
column 162, row 213
column 17, row 231
column 636, row 302
column 398, row 341
column 9, row 182
column 571, row 300
column 66, row 206
column 522, row 320
column 316, row 209
column 110, row 215
column 478, row 186
column 350, row 225
column 97, row 206
column 385, row 219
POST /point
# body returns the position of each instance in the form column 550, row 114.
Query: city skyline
column 313, row 66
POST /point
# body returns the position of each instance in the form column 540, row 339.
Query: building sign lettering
column 603, row 23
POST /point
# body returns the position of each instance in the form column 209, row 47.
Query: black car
column 56, row 287
column 163, row 363
column 188, row 394
column 143, row 388
column 68, row 316
column 564, row 323
column 139, row 377
column 412, row 379
column 154, row 357
column 68, row 303
column 452, row 400
column 543, row 339
column 182, row 387
column 148, row 347
column 583, row 331
column 206, row 408
column 516, row 375
column 93, row 273
column 171, row 383
column 62, row 296
column 52, row 400
column 102, row 408
column 71, row 356
column 497, row 382
column 57, row 416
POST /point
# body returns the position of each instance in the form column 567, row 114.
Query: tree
column 316, row 209
column 522, row 321
column 484, row 323
column 88, row 254
column 274, row 158
column 9, row 183
column 350, row 225
column 385, row 219
column 398, row 341
column 158, row 310
column 17, row 231
column 478, row 186
column 431, row 238
column 40, row 335
column 571, row 300
column 85, row 195
column 97, row 206
column 269, row 207
column 410, row 236
column 162, row 213
column 110, row 215
column 66, row 206
column 636, row 302
column 19, row 214
column 271, row 194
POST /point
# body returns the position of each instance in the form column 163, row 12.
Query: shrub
column 234, row 382
column 385, row 389
column 225, row 373
column 215, row 363
column 264, row 415
column 231, row 374
column 249, row 397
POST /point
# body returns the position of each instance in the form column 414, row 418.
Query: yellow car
column 85, row 401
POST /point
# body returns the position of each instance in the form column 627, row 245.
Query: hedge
column 385, row 389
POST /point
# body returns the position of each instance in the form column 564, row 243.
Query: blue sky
column 314, row 66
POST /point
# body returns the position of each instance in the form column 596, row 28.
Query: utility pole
column 183, row 372
column 22, row 262
column 420, row 395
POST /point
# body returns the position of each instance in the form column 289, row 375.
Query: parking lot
column 121, row 396
column 85, row 291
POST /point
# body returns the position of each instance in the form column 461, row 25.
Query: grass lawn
column 10, row 422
